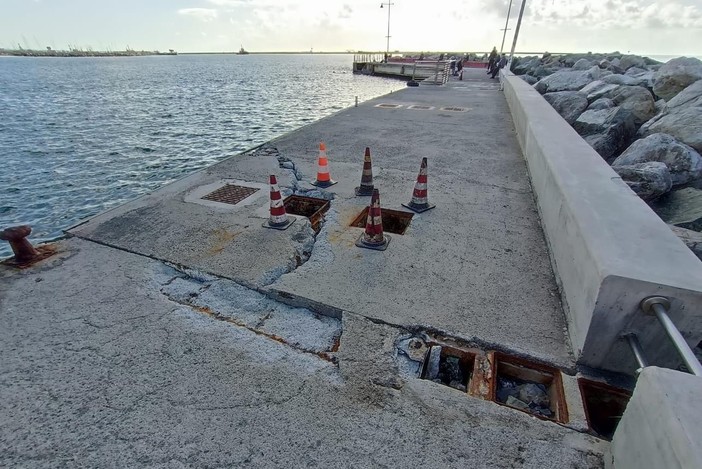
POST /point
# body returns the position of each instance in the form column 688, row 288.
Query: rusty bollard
column 17, row 237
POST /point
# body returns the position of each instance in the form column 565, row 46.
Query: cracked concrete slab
column 476, row 266
column 99, row 368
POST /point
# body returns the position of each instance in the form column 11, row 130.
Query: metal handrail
column 658, row 306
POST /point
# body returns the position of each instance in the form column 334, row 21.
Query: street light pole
column 516, row 32
column 509, row 10
column 387, row 50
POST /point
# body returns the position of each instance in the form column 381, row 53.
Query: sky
column 661, row 27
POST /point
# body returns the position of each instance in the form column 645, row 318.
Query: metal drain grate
column 388, row 106
column 230, row 194
column 422, row 108
column 454, row 109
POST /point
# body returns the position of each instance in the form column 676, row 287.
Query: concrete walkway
column 115, row 358
column 476, row 266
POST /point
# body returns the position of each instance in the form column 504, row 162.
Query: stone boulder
column 542, row 71
column 649, row 180
column 616, row 79
column 681, row 117
column 569, row 104
column 615, row 66
column 582, row 64
column 608, row 131
column 602, row 103
column 681, row 208
column 636, row 99
column 676, row 75
column 598, row 89
column 683, row 162
column 629, row 61
column 692, row 239
column 567, row 80
column 529, row 79
column 635, row 71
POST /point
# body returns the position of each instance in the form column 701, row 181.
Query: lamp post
column 509, row 10
column 516, row 33
column 387, row 50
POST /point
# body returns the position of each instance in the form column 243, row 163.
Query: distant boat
column 242, row 51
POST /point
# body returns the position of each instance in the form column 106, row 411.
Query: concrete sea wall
column 609, row 249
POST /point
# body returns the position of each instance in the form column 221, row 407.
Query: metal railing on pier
column 431, row 72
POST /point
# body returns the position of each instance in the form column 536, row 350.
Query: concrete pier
column 174, row 331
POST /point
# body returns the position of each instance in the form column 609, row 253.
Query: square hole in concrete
column 309, row 207
column 604, row 406
column 394, row 221
column 530, row 387
column 448, row 366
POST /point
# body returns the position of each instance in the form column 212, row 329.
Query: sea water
column 81, row 135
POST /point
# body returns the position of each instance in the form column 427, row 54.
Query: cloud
column 346, row 11
column 605, row 14
column 203, row 14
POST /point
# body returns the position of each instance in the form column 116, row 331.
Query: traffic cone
column 323, row 178
column 420, row 201
column 279, row 219
column 373, row 237
column 366, row 187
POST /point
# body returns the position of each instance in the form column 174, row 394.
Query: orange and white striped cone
column 420, row 200
column 279, row 219
column 366, row 187
column 323, row 177
column 373, row 237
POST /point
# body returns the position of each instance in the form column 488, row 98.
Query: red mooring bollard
column 17, row 237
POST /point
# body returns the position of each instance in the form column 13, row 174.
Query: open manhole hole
column 530, row 387
column 448, row 366
column 454, row 109
column 388, row 106
column 420, row 108
column 604, row 406
column 309, row 207
column 394, row 221
column 230, row 194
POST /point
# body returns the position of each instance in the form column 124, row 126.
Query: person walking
column 491, row 60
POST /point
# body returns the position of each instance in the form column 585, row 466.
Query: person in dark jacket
column 492, row 60
column 499, row 64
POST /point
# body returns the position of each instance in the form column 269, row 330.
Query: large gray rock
column 692, row 239
column 608, row 131
column 529, row 79
column 676, row 75
column 681, row 118
column 684, row 163
column 567, row 80
column 628, row 61
column 602, row 103
column 616, row 79
column 682, row 208
column 635, row 71
column 598, row 89
column 542, row 71
column 636, row 99
column 569, row 104
column 582, row 64
column 649, row 180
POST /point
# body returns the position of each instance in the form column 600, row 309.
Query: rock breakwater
column 642, row 116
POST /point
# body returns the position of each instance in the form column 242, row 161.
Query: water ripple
column 80, row 135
